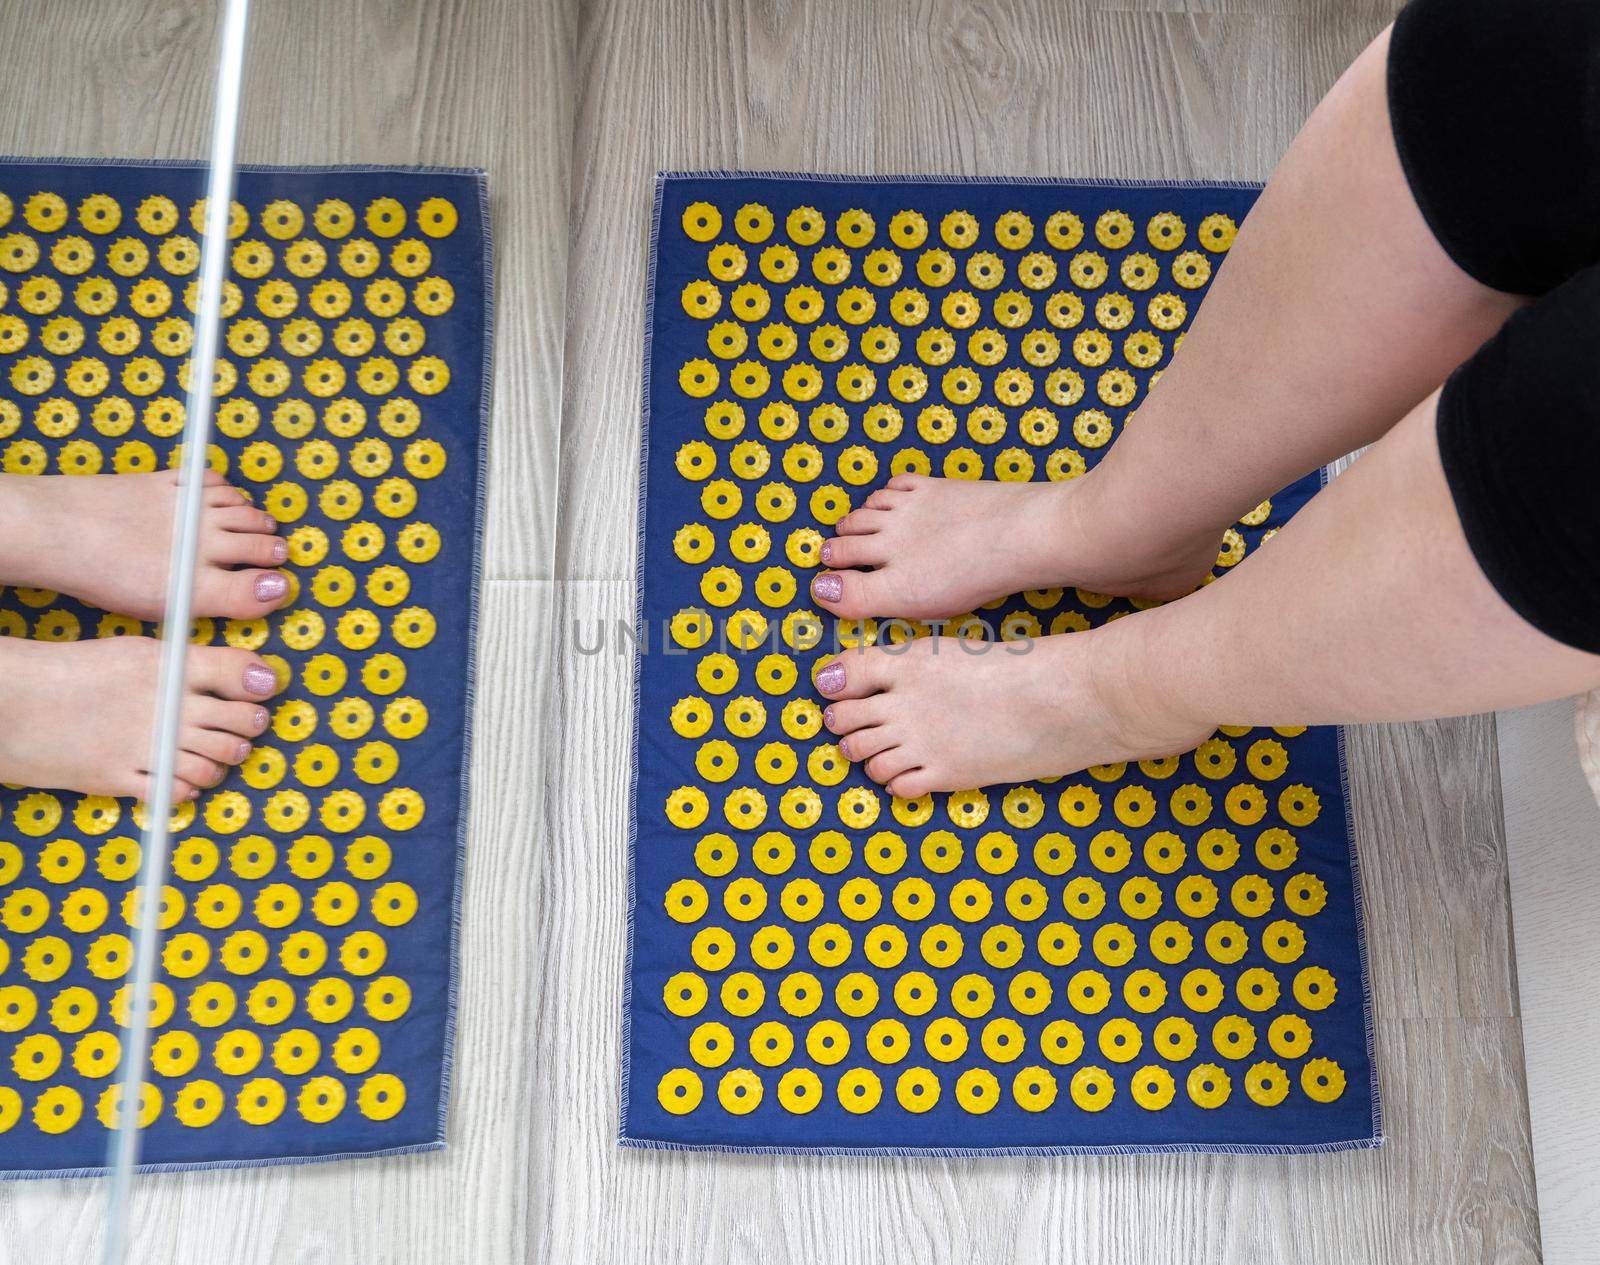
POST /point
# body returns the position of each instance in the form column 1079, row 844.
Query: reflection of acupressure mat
column 305, row 1000
column 1154, row 957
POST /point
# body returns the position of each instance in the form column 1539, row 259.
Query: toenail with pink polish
column 828, row 587
column 280, row 550
column 271, row 587
column 844, row 747
column 827, row 717
column 244, row 752
column 827, row 552
column 259, row 681
column 831, row 679
column 260, row 719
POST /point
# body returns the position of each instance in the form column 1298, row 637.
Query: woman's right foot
column 106, row 539
column 925, row 548
column 80, row 716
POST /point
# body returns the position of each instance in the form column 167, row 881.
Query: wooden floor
column 573, row 105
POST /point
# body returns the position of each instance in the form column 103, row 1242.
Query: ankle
column 1137, row 491
column 1127, row 680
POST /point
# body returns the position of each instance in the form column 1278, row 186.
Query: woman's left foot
column 942, row 714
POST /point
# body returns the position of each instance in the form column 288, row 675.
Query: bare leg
column 1369, row 606
column 1374, row 610
column 1335, row 313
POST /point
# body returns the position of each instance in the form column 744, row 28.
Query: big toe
column 851, row 594
column 855, row 674
column 231, row 674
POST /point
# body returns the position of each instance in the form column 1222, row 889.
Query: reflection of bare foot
column 80, row 716
column 940, row 547
column 937, row 715
column 105, row 540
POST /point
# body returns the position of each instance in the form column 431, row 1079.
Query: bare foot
column 105, row 539
column 941, row 547
column 80, row 716
column 936, row 714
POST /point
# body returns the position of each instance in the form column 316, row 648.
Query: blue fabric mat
column 307, row 994
column 1172, row 956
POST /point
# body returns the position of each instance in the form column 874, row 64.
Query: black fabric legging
column 1495, row 107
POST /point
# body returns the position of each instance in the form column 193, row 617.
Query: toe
column 197, row 770
column 878, row 503
column 214, row 745
column 851, row 714
column 907, row 482
column 231, row 674
column 863, row 744
column 245, row 518
column 136, row 785
column 224, row 497
column 240, row 594
column 247, row 549
column 912, row 784
column 238, row 720
column 854, row 551
column 890, row 764
column 853, row 674
column 850, row 594
column 129, row 785
column 860, row 522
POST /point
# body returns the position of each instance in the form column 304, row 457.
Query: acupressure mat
column 1157, row 957
column 305, row 998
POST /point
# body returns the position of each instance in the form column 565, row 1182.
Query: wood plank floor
column 573, row 105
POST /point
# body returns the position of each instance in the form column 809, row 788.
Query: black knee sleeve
column 1495, row 106
column 1519, row 433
